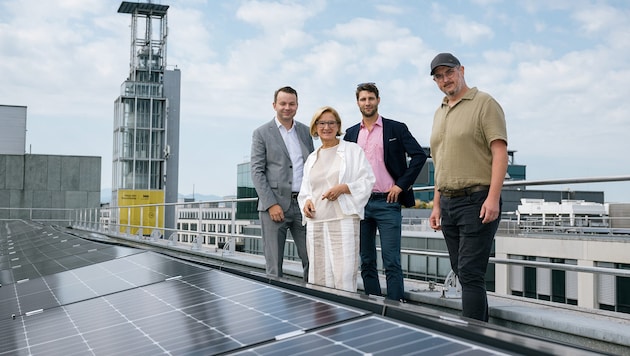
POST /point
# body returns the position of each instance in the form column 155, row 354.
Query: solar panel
column 144, row 303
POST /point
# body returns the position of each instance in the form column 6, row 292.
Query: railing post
column 128, row 220
column 199, row 222
column 196, row 245
column 141, row 218
column 172, row 239
column 232, row 237
column 452, row 288
column 154, row 235
column 157, row 216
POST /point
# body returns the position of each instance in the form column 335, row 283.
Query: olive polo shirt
column 461, row 137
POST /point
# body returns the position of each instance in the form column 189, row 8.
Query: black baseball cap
column 444, row 59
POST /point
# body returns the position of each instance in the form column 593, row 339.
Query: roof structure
column 127, row 7
column 63, row 294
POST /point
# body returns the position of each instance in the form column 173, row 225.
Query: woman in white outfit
column 336, row 187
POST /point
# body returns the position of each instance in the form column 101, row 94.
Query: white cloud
column 604, row 22
column 276, row 17
column 389, row 9
column 363, row 29
column 469, row 32
column 558, row 69
column 598, row 18
column 460, row 27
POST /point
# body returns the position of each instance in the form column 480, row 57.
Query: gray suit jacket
column 272, row 170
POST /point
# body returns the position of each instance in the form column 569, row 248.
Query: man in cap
column 469, row 150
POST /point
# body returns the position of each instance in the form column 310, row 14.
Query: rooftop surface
column 67, row 291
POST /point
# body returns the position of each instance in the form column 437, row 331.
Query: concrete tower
column 146, row 124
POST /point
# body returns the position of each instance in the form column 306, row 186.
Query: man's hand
column 276, row 213
column 392, row 195
column 489, row 211
column 434, row 219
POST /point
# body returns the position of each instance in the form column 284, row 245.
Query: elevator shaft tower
column 146, row 124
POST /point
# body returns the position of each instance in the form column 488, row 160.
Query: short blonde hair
column 319, row 113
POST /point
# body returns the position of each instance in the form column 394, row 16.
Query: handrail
column 166, row 239
column 540, row 264
column 494, row 260
column 89, row 219
column 563, row 267
column 510, row 183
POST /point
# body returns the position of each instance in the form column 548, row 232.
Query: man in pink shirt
column 387, row 144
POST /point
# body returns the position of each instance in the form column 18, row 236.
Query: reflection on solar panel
column 62, row 295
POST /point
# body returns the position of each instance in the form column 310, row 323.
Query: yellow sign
column 144, row 215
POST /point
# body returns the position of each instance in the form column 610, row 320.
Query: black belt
column 378, row 195
column 294, row 195
column 454, row 193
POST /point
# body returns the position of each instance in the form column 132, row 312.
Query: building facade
column 13, row 133
column 210, row 225
column 42, row 187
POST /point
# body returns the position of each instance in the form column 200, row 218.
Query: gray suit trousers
column 275, row 236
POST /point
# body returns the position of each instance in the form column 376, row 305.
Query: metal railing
column 444, row 281
column 86, row 218
column 107, row 221
column 91, row 220
column 47, row 215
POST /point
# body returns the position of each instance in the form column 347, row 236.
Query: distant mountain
column 106, row 196
column 201, row 197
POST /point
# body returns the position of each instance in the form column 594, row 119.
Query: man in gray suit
column 279, row 149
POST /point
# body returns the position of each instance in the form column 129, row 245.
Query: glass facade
column 247, row 210
column 139, row 141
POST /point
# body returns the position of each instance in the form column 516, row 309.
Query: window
column 623, row 290
column 529, row 280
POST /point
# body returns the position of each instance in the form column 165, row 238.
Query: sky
column 560, row 69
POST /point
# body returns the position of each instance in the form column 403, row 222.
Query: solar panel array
column 62, row 295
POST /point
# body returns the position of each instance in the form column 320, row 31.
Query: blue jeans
column 469, row 243
column 388, row 219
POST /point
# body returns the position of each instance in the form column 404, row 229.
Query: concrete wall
column 46, row 182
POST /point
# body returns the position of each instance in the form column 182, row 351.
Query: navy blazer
column 398, row 143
